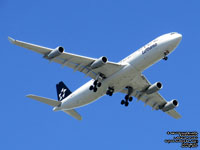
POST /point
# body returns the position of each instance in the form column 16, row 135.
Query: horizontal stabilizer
column 44, row 100
column 73, row 113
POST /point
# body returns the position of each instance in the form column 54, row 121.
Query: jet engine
column 154, row 88
column 170, row 105
column 56, row 52
column 99, row 62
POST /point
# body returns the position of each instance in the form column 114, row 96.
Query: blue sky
column 95, row 28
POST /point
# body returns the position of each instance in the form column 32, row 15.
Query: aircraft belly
column 118, row 81
column 84, row 96
column 121, row 79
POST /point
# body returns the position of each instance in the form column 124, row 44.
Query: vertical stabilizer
column 62, row 91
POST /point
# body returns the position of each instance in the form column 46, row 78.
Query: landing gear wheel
column 165, row 55
column 110, row 91
column 99, row 84
column 126, row 103
column 110, row 94
column 95, row 89
column 130, row 99
column 165, row 58
column 91, row 88
column 123, row 102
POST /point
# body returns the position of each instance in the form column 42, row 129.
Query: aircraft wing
column 76, row 62
column 154, row 100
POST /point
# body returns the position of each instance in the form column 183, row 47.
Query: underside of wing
column 33, row 47
column 83, row 64
column 174, row 114
column 143, row 90
column 89, row 66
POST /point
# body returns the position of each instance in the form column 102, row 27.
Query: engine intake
column 170, row 105
column 154, row 88
column 55, row 53
column 99, row 62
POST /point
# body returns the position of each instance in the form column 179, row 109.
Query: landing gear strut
column 128, row 98
column 165, row 55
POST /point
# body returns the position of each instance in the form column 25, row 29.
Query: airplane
column 110, row 77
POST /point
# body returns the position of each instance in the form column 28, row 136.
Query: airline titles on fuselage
column 149, row 48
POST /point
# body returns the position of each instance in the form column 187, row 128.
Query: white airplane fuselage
column 134, row 65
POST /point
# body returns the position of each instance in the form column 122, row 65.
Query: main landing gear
column 110, row 91
column 128, row 98
column 95, row 85
column 165, row 55
column 97, row 82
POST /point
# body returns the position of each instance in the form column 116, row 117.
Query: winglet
column 11, row 40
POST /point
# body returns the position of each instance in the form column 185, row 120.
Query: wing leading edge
column 76, row 62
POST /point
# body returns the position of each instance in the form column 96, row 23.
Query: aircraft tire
column 95, row 89
column 130, row 99
column 91, row 88
column 126, row 103
column 123, row 102
column 99, row 84
column 108, row 92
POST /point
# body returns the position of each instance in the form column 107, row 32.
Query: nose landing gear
column 165, row 55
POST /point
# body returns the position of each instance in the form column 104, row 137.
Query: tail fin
column 62, row 91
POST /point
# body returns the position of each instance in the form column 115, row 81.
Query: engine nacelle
column 56, row 52
column 99, row 62
column 170, row 105
column 154, row 88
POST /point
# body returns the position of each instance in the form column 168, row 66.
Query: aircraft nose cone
column 178, row 37
column 173, row 39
